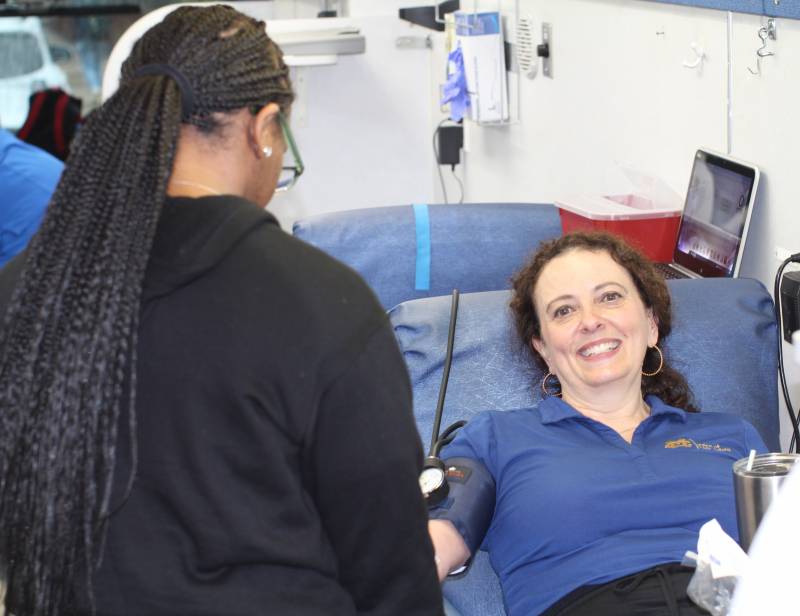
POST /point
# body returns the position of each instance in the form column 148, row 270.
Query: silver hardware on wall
column 699, row 57
column 413, row 42
column 765, row 33
column 544, row 50
column 526, row 55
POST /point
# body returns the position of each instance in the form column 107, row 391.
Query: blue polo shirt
column 577, row 504
column 28, row 177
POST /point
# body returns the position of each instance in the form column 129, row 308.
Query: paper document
column 481, row 39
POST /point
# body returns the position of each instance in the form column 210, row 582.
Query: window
column 19, row 54
column 67, row 51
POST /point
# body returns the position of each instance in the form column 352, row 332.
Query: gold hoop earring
column 660, row 363
column 556, row 393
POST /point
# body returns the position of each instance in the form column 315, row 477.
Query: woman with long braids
column 199, row 414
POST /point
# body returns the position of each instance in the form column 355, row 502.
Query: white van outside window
column 26, row 66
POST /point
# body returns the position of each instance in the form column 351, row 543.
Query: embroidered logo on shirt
column 678, row 442
column 691, row 444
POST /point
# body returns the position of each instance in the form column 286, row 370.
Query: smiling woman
column 616, row 279
column 595, row 502
column 594, row 335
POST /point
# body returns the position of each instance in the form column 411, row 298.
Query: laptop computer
column 715, row 219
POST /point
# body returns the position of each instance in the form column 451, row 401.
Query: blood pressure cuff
column 470, row 502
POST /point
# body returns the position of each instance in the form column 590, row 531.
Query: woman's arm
column 458, row 526
column 451, row 552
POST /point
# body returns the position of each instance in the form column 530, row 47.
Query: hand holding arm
column 449, row 547
column 458, row 526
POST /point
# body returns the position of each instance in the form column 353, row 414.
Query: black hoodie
column 278, row 456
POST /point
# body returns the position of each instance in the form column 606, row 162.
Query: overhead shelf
column 305, row 42
column 335, row 41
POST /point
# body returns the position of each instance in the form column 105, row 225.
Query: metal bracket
column 545, row 50
column 413, row 42
column 772, row 32
column 768, row 32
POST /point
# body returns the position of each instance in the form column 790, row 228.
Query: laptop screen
column 716, row 215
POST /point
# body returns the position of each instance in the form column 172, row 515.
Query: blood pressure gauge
column 433, row 481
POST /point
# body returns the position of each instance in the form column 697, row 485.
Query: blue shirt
column 577, row 504
column 28, row 177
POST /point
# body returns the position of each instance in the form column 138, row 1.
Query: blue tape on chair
column 422, row 223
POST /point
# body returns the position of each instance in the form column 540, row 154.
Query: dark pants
column 660, row 591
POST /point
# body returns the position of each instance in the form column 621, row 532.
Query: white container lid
column 617, row 207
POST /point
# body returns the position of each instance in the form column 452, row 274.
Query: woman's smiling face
column 595, row 329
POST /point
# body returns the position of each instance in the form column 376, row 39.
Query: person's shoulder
column 314, row 273
column 257, row 232
column 503, row 420
column 716, row 418
column 316, row 260
column 18, row 156
column 721, row 424
column 322, row 298
column 490, row 432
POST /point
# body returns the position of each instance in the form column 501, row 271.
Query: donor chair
column 724, row 340
column 412, row 251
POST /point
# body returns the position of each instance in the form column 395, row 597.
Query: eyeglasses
column 289, row 173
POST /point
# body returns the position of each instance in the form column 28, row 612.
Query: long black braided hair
column 68, row 343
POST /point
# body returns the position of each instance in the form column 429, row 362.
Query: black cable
column 451, row 334
column 448, row 435
column 436, row 157
column 795, row 441
column 460, row 183
column 450, row 430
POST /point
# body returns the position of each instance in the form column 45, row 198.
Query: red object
column 650, row 227
column 53, row 118
column 654, row 237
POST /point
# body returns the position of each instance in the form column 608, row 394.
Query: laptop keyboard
column 670, row 273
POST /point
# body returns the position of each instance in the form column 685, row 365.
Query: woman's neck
column 190, row 188
column 621, row 411
column 205, row 166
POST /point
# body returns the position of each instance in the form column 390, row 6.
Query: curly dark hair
column 69, row 338
column 669, row 384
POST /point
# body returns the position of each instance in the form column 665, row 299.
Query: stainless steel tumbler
column 755, row 488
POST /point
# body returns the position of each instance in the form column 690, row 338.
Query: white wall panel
column 362, row 126
column 619, row 93
column 766, row 130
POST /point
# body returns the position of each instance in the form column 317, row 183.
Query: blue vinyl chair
column 413, row 251
column 724, row 340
